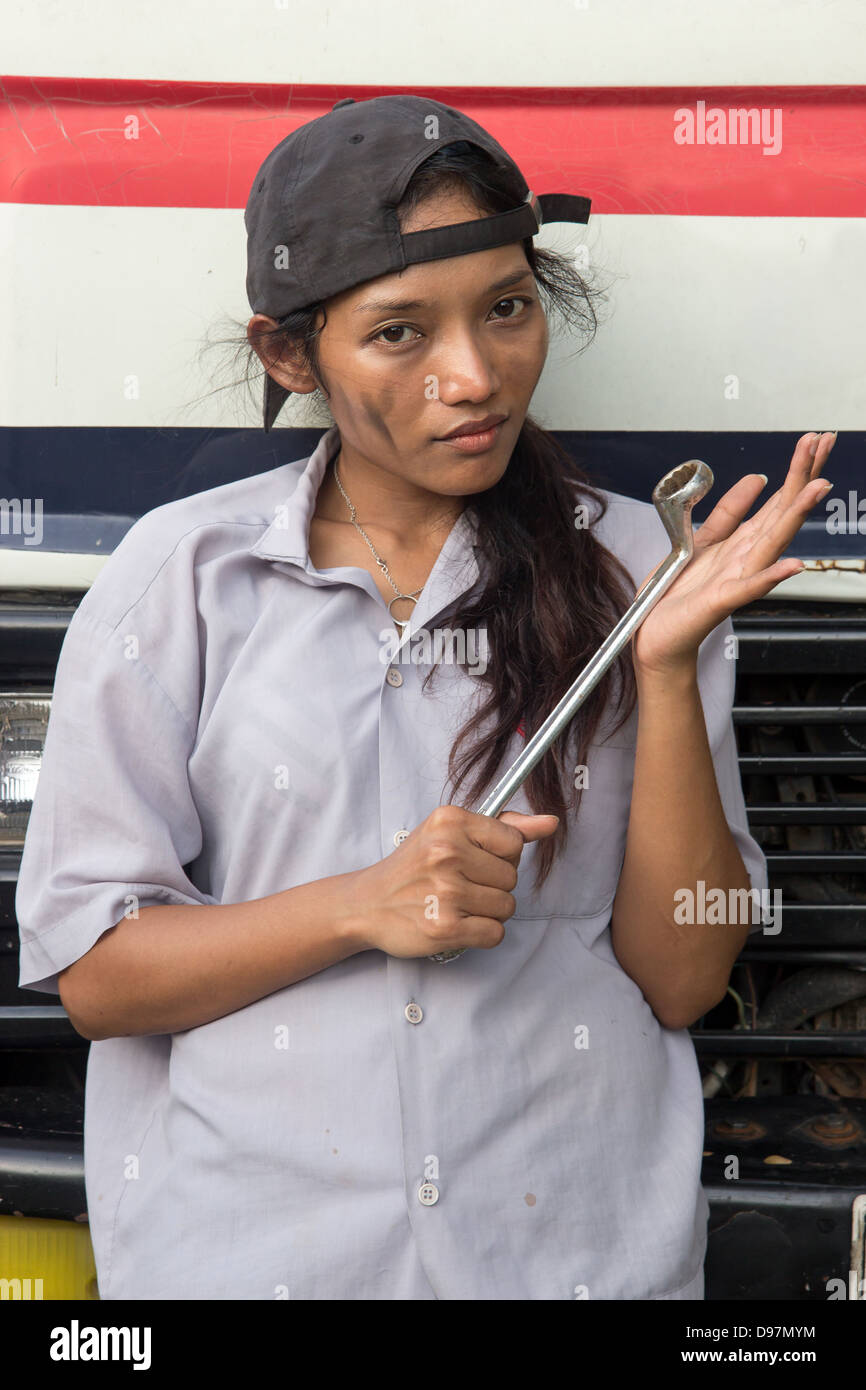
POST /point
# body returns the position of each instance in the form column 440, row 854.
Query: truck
column 727, row 223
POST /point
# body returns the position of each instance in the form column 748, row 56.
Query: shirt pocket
column 585, row 875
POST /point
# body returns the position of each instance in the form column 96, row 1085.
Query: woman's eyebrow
column 393, row 306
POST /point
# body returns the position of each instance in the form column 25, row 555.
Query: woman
column 243, row 852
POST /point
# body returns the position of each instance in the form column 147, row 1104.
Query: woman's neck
column 408, row 517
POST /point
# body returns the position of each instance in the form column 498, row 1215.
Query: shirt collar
column 287, row 540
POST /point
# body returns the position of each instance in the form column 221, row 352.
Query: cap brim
column 274, row 399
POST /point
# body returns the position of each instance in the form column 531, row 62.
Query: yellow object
column 42, row 1259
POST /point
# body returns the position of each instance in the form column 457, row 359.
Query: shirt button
column 428, row 1194
column 393, row 676
column 400, row 836
column 414, row 1012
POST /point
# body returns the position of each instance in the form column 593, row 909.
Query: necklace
column 413, row 597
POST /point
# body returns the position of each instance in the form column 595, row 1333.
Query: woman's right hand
column 448, row 884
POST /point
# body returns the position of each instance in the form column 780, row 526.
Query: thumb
column 531, row 827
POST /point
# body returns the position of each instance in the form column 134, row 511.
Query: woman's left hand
column 735, row 561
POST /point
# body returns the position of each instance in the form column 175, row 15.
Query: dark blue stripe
column 95, row 482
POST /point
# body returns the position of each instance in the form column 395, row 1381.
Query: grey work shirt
column 515, row 1124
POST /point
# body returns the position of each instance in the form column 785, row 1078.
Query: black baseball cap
column 321, row 216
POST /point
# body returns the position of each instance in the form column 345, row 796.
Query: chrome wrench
column 673, row 496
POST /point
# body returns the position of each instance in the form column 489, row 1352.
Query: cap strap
column 484, row 232
column 564, row 207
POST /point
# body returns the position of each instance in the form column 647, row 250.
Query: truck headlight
column 23, row 723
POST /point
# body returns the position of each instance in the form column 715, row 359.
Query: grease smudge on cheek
column 375, row 415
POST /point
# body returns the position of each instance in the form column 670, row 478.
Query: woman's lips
column 474, row 443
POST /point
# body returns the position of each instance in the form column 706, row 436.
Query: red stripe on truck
column 632, row 150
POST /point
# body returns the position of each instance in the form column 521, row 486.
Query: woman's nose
column 465, row 371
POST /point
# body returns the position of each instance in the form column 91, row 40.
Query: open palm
column 735, row 561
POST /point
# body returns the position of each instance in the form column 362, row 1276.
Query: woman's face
column 407, row 357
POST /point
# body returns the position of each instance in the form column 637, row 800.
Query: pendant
column 402, row 623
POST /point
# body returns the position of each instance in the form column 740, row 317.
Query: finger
column 800, row 468
column 729, row 511
column 481, row 900
column 532, row 827
column 737, row 592
column 769, row 546
column 798, row 475
column 826, row 440
column 489, row 833
column 805, row 466
column 735, row 503
column 481, row 933
column 479, row 866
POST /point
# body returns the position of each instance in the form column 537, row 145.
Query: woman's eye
column 394, row 328
column 524, row 302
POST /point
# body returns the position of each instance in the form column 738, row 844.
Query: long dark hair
column 550, row 591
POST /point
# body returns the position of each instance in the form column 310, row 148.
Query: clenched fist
column 448, row 885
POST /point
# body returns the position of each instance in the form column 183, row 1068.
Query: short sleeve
column 113, row 820
column 716, row 681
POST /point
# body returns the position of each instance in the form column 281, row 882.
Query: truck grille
column 784, row 1056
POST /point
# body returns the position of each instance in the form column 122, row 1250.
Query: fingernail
column 828, row 488
column 813, row 447
column 765, row 478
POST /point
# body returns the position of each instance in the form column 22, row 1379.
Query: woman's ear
column 285, row 367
